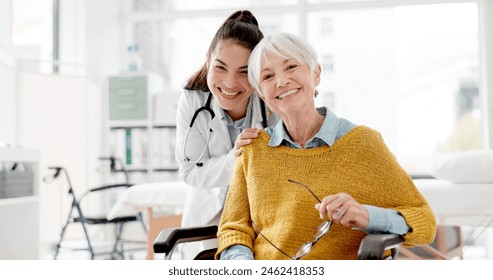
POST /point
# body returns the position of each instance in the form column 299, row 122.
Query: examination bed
column 162, row 203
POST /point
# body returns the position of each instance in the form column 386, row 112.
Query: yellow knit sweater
column 358, row 164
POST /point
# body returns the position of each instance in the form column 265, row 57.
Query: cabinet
column 141, row 126
column 19, row 216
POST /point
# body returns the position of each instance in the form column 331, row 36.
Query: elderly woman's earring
column 316, row 93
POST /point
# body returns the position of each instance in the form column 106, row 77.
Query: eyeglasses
column 322, row 230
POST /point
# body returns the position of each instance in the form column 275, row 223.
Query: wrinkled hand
column 343, row 209
column 245, row 138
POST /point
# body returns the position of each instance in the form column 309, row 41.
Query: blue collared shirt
column 236, row 127
column 332, row 129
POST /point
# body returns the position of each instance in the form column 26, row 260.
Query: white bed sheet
column 164, row 197
column 468, row 204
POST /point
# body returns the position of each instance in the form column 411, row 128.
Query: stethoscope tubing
column 203, row 151
column 207, row 107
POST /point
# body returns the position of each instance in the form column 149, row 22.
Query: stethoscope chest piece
column 206, row 107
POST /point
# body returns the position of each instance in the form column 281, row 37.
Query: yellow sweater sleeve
column 235, row 225
column 414, row 207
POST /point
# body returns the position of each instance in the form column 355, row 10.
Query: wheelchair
column 372, row 246
column 77, row 215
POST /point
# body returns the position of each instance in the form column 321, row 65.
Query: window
column 416, row 81
column 190, row 5
column 32, row 33
column 327, row 64
column 326, row 26
column 176, row 48
column 409, row 71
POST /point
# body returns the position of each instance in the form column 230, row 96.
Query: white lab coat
column 210, row 182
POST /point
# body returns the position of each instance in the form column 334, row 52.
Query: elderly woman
column 313, row 177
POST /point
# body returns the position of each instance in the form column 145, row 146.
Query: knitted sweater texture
column 358, row 164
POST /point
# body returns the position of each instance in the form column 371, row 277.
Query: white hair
column 284, row 45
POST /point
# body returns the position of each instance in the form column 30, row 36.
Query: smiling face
column 227, row 77
column 287, row 85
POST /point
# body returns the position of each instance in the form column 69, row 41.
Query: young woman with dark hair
column 217, row 114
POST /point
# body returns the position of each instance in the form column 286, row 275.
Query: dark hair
column 241, row 27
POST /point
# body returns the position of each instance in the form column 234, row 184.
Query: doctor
column 217, row 114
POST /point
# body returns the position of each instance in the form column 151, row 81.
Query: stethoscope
column 207, row 107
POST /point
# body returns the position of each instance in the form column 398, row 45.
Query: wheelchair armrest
column 373, row 246
column 170, row 237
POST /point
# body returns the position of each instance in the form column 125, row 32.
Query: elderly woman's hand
column 245, row 138
column 341, row 208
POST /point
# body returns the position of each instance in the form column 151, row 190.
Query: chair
column 79, row 216
column 447, row 245
column 372, row 247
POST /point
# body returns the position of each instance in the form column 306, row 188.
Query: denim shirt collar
column 241, row 123
column 326, row 135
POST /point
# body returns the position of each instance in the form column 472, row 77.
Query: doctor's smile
column 231, row 93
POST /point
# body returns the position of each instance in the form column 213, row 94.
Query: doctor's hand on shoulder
column 343, row 209
column 245, row 138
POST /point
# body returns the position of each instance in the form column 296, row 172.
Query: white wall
column 61, row 116
column 8, row 118
column 7, row 77
column 5, row 22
